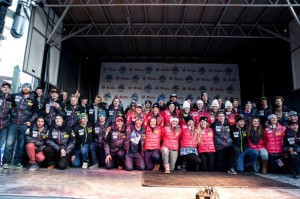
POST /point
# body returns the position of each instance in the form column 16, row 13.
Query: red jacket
column 153, row 138
column 170, row 138
column 167, row 116
column 130, row 117
column 186, row 139
column 196, row 116
column 260, row 144
column 231, row 118
column 211, row 117
column 159, row 120
column 273, row 138
column 207, row 141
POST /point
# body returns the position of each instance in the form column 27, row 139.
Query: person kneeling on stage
column 246, row 157
column 101, row 127
column 133, row 145
column 291, row 146
column 152, row 145
column 35, row 136
column 189, row 139
column 60, row 143
column 223, row 144
column 84, row 137
column 170, row 146
column 113, row 145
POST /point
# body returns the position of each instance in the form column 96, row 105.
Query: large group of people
column 62, row 131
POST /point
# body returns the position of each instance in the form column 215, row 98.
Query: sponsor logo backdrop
column 142, row 81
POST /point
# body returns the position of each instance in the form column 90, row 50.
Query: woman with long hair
column 255, row 134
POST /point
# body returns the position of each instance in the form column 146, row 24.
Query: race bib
column 236, row 134
column 69, row 113
column 81, row 132
column 91, row 111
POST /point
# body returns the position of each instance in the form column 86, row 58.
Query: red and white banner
column 142, row 81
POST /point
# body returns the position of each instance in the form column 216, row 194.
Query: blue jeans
column 3, row 135
column 15, row 136
column 98, row 154
column 81, row 155
column 249, row 156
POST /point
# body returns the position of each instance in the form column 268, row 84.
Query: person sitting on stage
column 198, row 112
column 291, row 146
column 245, row 155
column 188, row 146
column 134, row 145
column 273, row 138
column 152, row 145
column 113, row 145
column 223, row 144
column 100, row 129
column 255, row 134
column 206, row 146
column 170, row 146
column 155, row 113
column 60, row 143
column 35, row 139
column 84, row 138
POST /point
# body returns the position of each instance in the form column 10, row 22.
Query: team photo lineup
column 208, row 134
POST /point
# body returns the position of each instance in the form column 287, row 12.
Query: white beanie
column 200, row 102
column 215, row 103
column 174, row 119
column 186, row 104
column 227, row 103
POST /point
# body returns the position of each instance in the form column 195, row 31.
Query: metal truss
column 217, row 3
column 175, row 30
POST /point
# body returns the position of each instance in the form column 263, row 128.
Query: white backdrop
column 141, row 81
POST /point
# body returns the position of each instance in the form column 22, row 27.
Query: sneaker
column 120, row 167
column 33, row 167
column 84, row 165
column 167, row 171
column 19, row 166
column 94, row 166
column 232, row 171
column 183, row 167
column 51, row 167
column 5, row 166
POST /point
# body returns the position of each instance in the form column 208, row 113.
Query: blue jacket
column 222, row 137
column 72, row 115
column 53, row 111
column 24, row 109
column 6, row 104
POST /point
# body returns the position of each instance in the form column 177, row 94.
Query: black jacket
column 24, row 109
column 6, row 104
column 239, row 138
column 33, row 135
column 84, row 135
column 72, row 115
column 61, row 138
column 222, row 137
column 91, row 112
column 114, row 140
column 113, row 113
column 53, row 111
column 291, row 139
column 99, row 132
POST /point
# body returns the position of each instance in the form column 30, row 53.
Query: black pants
column 225, row 154
column 273, row 166
column 53, row 158
column 117, row 159
column 294, row 162
column 192, row 161
column 207, row 161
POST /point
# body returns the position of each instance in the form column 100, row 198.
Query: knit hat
column 174, row 119
column 139, row 105
column 263, row 98
column 160, row 98
column 291, row 113
column 6, row 84
column 232, row 99
column 186, row 104
column 119, row 118
column 215, row 103
column 200, row 102
column 238, row 118
column 173, row 95
column 188, row 118
column 202, row 94
column 227, row 103
column 82, row 115
column 102, row 113
column 189, row 97
column 27, row 85
column 155, row 105
column 272, row 116
column 148, row 101
column 203, row 118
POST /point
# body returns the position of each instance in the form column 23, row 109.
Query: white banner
column 142, row 81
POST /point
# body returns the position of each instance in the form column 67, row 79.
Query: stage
column 101, row 183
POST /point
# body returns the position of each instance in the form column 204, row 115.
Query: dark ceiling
column 173, row 29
